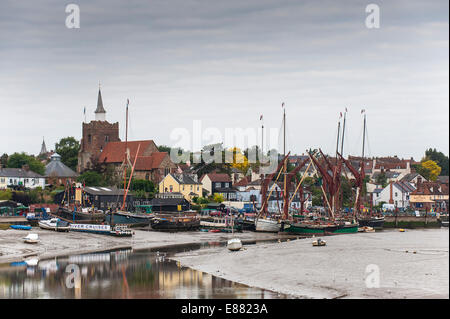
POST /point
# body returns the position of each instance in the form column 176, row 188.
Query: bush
column 5, row 194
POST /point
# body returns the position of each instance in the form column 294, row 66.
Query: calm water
column 120, row 274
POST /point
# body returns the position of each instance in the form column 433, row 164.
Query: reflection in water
column 121, row 274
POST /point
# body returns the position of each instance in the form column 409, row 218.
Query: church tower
column 95, row 136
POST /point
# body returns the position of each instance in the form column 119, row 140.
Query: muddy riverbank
column 13, row 248
column 386, row 264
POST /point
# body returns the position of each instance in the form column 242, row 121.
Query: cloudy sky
column 226, row 63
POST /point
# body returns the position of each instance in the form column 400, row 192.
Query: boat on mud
column 169, row 222
column 374, row 222
column 132, row 219
column 320, row 228
column 117, row 230
column 82, row 215
column 54, row 224
column 224, row 224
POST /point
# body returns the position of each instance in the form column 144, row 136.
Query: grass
column 4, row 226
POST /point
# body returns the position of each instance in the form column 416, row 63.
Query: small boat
column 234, row 244
column 21, row 227
column 319, row 242
column 54, row 224
column 366, row 229
column 32, row 239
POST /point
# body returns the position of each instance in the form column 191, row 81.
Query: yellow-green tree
column 218, row 198
column 432, row 168
column 240, row 161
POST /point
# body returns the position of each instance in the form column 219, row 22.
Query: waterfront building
column 218, row 183
column 396, row 193
column 182, row 183
column 20, row 177
column 431, row 197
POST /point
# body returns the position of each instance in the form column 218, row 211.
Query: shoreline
column 56, row 244
column 413, row 264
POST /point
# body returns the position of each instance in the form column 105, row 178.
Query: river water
column 120, row 274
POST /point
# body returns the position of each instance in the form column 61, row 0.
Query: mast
column 337, row 142
column 286, row 204
column 364, row 135
column 343, row 133
column 125, row 156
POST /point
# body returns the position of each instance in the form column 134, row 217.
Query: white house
column 396, row 193
column 20, row 177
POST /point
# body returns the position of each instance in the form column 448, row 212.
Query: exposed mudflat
column 13, row 248
column 413, row 264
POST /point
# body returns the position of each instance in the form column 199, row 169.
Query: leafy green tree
column 4, row 160
column 68, row 148
column 18, row 160
column 91, row 178
column 382, row 179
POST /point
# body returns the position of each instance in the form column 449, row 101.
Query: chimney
column 391, row 200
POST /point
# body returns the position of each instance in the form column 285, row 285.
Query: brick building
column 96, row 135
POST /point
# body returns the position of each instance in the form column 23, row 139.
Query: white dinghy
column 32, row 239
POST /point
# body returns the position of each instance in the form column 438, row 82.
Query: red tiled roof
column 215, row 177
column 146, row 163
column 114, row 151
column 242, row 182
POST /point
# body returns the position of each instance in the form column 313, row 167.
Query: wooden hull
column 373, row 222
column 267, row 225
column 327, row 229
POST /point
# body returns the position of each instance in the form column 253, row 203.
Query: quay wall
column 411, row 222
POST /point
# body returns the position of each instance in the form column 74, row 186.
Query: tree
column 4, row 160
column 68, row 148
column 440, row 158
column 240, row 161
column 91, row 178
column 430, row 169
column 382, row 179
column 218, row 198
column 18, row 160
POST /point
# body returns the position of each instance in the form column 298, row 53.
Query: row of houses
column 55, row 173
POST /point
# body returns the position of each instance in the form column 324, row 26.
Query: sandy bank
column 338, row 270
column 12, row 247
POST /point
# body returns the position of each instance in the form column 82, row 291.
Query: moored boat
column 234, row 244
column 31, row 239
column 54, row 224
column 374, row 222
column 21, row 227
column 175, row 223
column 321, row 228
column 267, row 225
column 129, row 218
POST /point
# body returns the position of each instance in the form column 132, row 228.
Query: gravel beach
column 413, row 264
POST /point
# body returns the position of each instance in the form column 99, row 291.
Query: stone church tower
column 95, row 136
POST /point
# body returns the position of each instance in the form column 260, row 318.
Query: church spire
column 100, row 111
column 43, row 148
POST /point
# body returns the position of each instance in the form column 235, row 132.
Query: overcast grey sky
column 225, row 63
